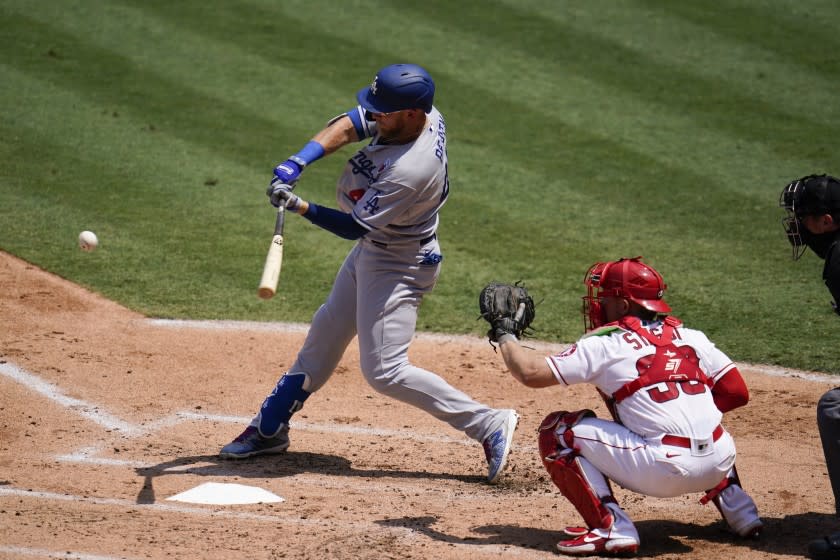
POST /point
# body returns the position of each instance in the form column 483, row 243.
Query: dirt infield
column 105, row 414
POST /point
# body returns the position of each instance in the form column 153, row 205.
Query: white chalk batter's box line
column 110, row 422
column 29, row 552
column 89, row 454
column 92, row 454
column 97, row 415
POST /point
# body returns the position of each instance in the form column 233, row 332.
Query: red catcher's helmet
column 626, row 278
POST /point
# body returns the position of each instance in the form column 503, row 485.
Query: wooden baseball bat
column 274, row 259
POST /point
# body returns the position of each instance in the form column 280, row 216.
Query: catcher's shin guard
column 286, row 399
column 569, row 473
column 735, row 506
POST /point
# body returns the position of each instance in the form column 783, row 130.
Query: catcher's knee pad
column 553, row 444
column 286, row 399
column 563, row 464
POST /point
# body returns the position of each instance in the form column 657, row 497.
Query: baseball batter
column 389, row 197
column 667, row 387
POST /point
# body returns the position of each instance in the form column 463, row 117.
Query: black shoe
column 826, row 548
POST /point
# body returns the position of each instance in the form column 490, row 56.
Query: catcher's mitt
column 508, row 308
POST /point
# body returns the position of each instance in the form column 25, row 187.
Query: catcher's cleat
column 497, row 446
column 592, row 544
column 751, row 530
column 250, row 443
column 575, row 531
column 739, row 511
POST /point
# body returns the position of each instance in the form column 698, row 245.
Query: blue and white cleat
column 250, row 443
column 497, row 447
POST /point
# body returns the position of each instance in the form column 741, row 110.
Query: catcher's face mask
column 625, row 278
column 792, row 224
column 593, row 312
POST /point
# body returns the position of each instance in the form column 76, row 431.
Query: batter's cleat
column 250, row 443
column 592, row 544
column 497, row 447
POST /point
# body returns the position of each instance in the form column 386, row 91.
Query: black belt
column 422, row 241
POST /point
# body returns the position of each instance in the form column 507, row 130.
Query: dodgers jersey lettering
column 610, row 357
column 396, row 191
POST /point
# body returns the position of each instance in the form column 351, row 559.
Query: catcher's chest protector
column 670, row 363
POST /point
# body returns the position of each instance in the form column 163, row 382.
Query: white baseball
column 88, row 241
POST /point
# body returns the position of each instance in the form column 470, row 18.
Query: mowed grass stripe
column 520, row 201
column 172, row 98
column 678, row 136
column 711, row 142
column 115, row 81
column 802, row 32
column 610, row 150
column 563, row 49
column 662, row 33
column 144, row 220
column 290, row 76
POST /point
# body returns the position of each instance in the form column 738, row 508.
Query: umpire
column 813, row 220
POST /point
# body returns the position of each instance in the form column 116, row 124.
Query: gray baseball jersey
column 395, row 192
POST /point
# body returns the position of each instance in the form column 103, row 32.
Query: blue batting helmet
column 398, row 87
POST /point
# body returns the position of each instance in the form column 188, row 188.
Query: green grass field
column 577, row 132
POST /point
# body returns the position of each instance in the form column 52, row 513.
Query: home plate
column 226, row 494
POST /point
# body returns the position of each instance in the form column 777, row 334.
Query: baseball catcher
column 508, row 308
column 666, row 386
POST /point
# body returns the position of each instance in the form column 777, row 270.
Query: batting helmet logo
column 373, row 85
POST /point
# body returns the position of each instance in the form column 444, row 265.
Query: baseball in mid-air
column 88, row 241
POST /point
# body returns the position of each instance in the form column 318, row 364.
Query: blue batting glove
column 288, row 172
column 281, row 193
